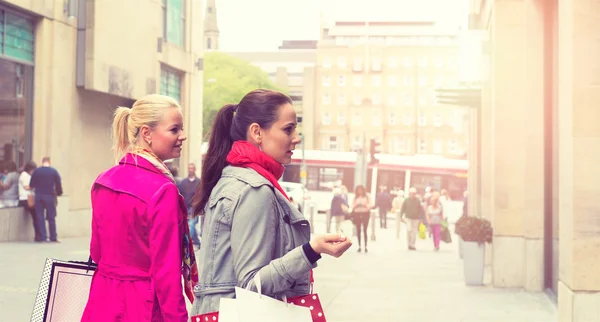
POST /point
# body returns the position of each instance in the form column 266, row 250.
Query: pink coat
column 137, row 232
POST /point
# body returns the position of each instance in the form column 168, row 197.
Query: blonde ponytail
column 120, row 127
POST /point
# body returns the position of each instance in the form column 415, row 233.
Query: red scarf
column 244, row 154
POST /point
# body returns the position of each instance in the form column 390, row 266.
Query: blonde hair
column 127, row 122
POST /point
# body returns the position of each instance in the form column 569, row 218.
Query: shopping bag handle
column 90, row 264
column 256, row 280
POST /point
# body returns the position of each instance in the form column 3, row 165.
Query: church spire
column 211, row 27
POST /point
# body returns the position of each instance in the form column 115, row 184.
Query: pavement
column 387, row 284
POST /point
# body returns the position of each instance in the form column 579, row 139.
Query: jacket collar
column 130, row 159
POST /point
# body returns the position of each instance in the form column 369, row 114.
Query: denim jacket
column 249, row 228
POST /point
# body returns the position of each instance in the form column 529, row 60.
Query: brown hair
column 231, row 124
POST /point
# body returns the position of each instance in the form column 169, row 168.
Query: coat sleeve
column 95, row 252
column 256, row 215
column 165, row 239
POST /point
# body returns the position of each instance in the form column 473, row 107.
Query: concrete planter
column 473, row 262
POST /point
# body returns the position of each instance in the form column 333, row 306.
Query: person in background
column 412, row 209
column 383, row 202
column 338, row 210
column 361, row 212
column 140, row 239
column 465, row 203
column 175, row 172
column 25, row 193
column 435, row 216
column 10, row 186
column 344, row 194
column 187, row 188
column 251, row 226
column 46, row 183
column 396, row 208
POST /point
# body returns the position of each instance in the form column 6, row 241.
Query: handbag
column 63, row 291
column 422, row 231
column 249, row 306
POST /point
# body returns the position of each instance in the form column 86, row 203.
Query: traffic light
column 375, row 147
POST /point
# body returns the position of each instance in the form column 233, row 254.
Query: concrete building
column 376, row 79
column 538, row 134
column 66, row 65
column 211, row 26
column 292, row 69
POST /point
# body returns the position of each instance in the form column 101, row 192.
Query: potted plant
column 474, row 232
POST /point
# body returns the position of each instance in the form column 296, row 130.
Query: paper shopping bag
column 63, row 292
column 253, row 307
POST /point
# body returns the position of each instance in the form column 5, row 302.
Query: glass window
column 392, row 62
column 391, row 101
column 437, row 120
column 170, row 83
column 422, row 146
column 357, row 118
column 452, row 146
column 358, row 64
column 357, row 81
column 392, row 81
column 392, row 118
column 357, row 99
column 16, row 36
column 408, row 99
column 376, row 99
column 326, row 62
column 397, row 145
column 326, row 118
column 326, row 80
column 407, row 119
column 408, row 62
column 342, row 80
column 376, row 120
column 326, row 99
column 341, row 118
column 174, row 21
column 376, row 81
column 341, row 99
column 438, row 146
column 422, row 120
column 15, row 112
column 341, row 62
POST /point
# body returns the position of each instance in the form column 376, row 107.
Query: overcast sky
column 258, row 25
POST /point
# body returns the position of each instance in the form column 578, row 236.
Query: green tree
column 226, row 80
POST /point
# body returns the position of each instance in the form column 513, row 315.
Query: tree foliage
column 226, row 80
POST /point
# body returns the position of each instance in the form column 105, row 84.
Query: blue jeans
column 192, row 222
column 45, row 205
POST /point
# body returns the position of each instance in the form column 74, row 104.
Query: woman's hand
column 331, row 244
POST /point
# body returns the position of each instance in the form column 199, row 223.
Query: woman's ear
column 146, row 134
column 255, row 134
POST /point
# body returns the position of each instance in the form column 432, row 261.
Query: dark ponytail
column 231, row 124
column 219, row 144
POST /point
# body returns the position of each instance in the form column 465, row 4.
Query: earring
column 260, row 147
column 149, row 142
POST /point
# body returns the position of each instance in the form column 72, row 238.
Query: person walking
column 338, row 209
column 413, row 210
column 10, row 186
column 383, row 202
column 47, row 186
column 187, row 188
column 435, row 216
column 140, row 238
column 25, row 193
column 361, row 212
column 249, row 222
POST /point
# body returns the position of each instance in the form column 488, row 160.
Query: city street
column 387, row 284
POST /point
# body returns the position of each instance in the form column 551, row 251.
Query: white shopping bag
column 249, row 306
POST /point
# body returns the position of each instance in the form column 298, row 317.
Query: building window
column 392, row 118
column 326, row 118
column 357, row 118
column 170, row 83
column 356, row 143
column 408, row 80
column 16, row 36
column 423, row 98
column 326, row 62
column 376, row 99
column 437, row 120
column 16, row 107
column 422, row 120
column 357, row 81
column 392, row 81
column 422, row 146
column 376, row 81
column 397, row 145
column 326, row 99
column 391, row 101
column 439, row 81
column 392, row 62
column 357, row 66
column 357, row 99
column 376, row 64
column 438, row 146
column 208, row 43
column 341, row 99
column 376, row 120
column 423, row 81
column 174, row 21
column 326, row 81
column 408, row 99
column 341, row 62
column 408, row 62
column 341, row 118
column 452, row 146
column 407, row 119
column 333, row 143
column 342, row 80
column 423, row 62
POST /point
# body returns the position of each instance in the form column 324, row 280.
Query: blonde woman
column 396, row 207
column 435, row 216
column 140, row 238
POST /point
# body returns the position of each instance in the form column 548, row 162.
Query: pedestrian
column 26, row 194
column 396, row 207
column 435, row 216
column 138, row 240
column 338, row 210
column 187, row 188
column 46, row 184
column 250, row 225
column 361, row 212
column 412, row 209
column 10, row 186
column 383, row 202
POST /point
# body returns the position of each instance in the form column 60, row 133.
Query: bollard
column 328, row 220
column 373, row 220
column 398, row 225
